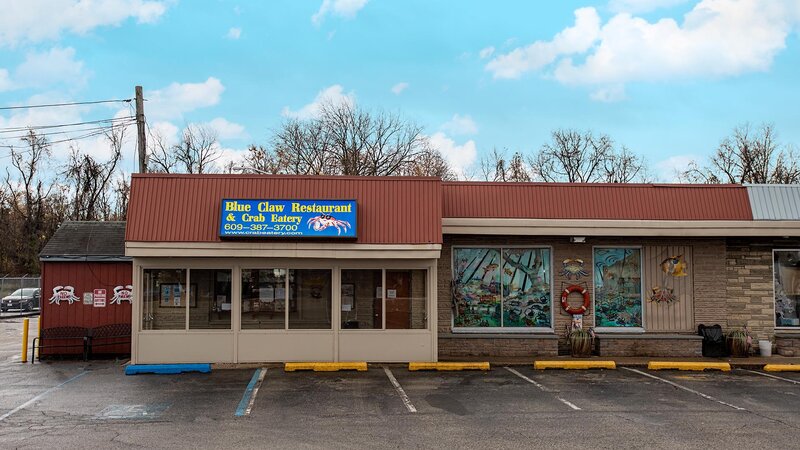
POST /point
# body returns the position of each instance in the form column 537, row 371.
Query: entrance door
column 398, row 300
column 384, row 315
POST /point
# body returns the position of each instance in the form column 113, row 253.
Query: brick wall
column 750, row 297
column 459, row 346
column 679, row 347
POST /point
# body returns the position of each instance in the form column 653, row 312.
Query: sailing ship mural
column 495, row 287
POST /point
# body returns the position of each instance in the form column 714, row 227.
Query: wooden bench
column 69, row 337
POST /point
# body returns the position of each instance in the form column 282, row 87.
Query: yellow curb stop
column 542, row 365
column 413, row 366
column 325, row 366
column 686, row 365
column 782, row 367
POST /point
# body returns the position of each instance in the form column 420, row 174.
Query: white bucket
column 765, row 347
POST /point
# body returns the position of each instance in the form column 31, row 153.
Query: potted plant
column 739, row 342
column 580, row 341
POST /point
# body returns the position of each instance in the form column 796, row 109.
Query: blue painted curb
column 166, row 369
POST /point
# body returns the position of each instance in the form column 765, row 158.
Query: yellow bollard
column 25, row 340
column 38, row 335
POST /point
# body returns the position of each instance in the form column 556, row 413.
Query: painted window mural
column 502, row 287
column 787, row 288
column 618, row 287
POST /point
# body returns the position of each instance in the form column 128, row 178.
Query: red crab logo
column 63, row 294
column 122, row 294
column 324, row 221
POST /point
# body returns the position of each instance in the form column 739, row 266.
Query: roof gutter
column 656, row 228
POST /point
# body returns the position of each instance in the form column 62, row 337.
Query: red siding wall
column 85, row 277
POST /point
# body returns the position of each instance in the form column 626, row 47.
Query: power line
column 50, row 133
column 51, row 105
column 25, row 148
column 42, row 127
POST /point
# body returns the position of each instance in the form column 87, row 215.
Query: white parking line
column 406, row 401
column 544, row 389
column 698, row 393
column 771, row 376
column 39, row 397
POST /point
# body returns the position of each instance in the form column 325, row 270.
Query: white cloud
column 333, row 94
column 38, row 20
column 5, row 81
column 460, row 125
column 58, row 65
column 398, row 88
column 642, row 6
column 234, row 33
column 176, row 99
column 717, row 38
column 342, row 8
column 669, row 170
column 460, row 157
column 226, row 129
column 486, row 52
column 576, row 39
column 609, row 94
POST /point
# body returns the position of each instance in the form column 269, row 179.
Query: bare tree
column 583, row 157
column 196, row 152
column 89, row 180
column 748, row 156
column 495, row 167
column 347, row 140
column 28, row 198
column 430, row 163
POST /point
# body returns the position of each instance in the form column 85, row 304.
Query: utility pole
column 140, row 130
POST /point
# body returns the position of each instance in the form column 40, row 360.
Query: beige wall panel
column 182, row 347
column 385, row 346
column 286, row 346
column 675, row 316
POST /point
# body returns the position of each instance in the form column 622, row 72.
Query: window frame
column 783, row 328
column 623, row 330
column 503, row 329
column 186, row 311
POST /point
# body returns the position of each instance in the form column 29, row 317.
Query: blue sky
column 667, row 78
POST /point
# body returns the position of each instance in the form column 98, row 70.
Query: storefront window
column 787, row 287
column 362, row 299
column 209, row 299
column 618, row 287
column 406, row 299
column 310, row 299
column 164, row 299
column 526, row 287
column 502, row 287
column 263, row 299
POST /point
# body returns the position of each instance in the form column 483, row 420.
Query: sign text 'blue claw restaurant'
column 288, row 218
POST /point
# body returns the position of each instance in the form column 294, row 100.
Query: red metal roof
column 186, row 208
column 595, row 201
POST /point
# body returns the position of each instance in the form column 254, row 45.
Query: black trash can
column 713, row 340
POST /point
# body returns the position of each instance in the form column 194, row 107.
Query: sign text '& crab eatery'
column 288, row 218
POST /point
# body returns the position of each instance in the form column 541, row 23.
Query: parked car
column 25, row 299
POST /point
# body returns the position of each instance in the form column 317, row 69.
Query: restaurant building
column 254, row 268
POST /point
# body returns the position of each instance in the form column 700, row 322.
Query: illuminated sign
column 288, row 218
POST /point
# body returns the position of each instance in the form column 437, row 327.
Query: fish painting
column 674, row 265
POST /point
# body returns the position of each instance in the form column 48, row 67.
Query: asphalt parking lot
column 72, row 404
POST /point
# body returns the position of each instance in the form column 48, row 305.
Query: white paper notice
column 280, row 293
column 391, row 293
column 266, row 294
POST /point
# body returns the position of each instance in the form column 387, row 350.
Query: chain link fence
column 10, row 284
